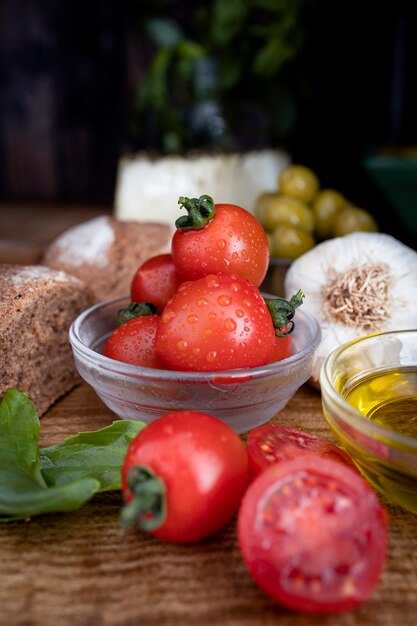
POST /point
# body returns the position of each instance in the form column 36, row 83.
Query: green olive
column 289, row 242
column 352, row 219
column 287, row 211
column 299, row 182
column 326, row 207
column 262, row 203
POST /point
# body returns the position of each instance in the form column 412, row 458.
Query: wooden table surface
column 80, row 569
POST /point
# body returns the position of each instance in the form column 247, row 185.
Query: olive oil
column 389, row 399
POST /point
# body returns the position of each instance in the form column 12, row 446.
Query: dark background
column 68, row 71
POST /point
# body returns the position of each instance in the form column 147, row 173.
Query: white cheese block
column 148, row 188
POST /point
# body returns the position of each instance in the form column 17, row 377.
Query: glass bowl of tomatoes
column 242, row 398
column 369, row 395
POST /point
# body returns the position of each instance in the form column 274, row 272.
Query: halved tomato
column 313, row 535
column 273, row 443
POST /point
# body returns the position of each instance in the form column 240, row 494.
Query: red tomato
column 203, row 467
column 282, row 349
column 272, row 444
column 232, row 242
column 313, row 535
column 215, row 323
column 134, row 342
column 155, row 281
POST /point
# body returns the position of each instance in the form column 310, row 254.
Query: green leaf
column 227, row 20
column 23, row 491
column 98, row 454
column 271, row 58
column 165, row 33
column 22, row 497
column 59, row 478
column 190, row 50
column 19, row 435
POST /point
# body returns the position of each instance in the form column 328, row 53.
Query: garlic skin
column 354, row 286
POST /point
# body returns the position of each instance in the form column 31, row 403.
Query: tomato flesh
column 273, row 443
column 313, row 535
column 233, row 242
column 204, row 466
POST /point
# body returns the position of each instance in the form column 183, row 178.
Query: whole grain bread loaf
column 37, row 306
column 105, row 252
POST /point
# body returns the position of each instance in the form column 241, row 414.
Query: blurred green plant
column 220, row 76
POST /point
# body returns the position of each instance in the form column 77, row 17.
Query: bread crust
column 105, row 252
column 37, row 306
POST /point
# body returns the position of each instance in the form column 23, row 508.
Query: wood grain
column 80, row 569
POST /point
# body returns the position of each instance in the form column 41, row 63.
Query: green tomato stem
column 135, row 309
column 200, row 211
column 282, row 311
column 147, row 509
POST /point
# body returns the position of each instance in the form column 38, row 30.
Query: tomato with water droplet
column 183, row 476
column 134, row 342
column 231, row 242
column 218, row 322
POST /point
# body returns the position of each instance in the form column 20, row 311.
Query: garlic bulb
column 356, row 285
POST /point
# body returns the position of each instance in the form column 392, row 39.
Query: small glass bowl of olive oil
column 369, row 395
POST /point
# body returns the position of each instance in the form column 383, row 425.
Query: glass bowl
column 242, row 398
column 377, row 376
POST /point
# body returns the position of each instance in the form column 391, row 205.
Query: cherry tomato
column 202, row 469
column 215, row 323
column 272, row 444
column 230, row 242
column 134, row 342
column 155, row 281
column 313, row 535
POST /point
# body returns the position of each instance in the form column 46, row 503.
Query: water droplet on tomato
column 235, row 256
column 221, row 244
column 211, row 356
column 201, row 302
column 192, row 319
column 239, row 313
column 182, row 345
column 212, row 316
column 230, row 324
column 224, row 300
column 168, row 316
column 212, row 283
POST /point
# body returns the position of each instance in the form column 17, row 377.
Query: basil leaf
column 23, row 490
column 59, row 478
column 98, row 454
column 19, row 436
column 21, row 497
